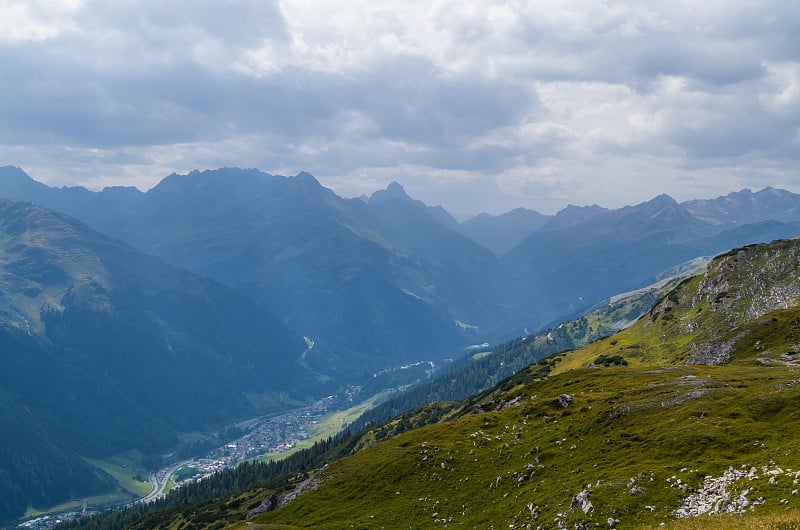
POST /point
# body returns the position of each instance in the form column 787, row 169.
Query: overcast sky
column 478, row 105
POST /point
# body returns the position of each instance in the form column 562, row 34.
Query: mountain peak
column 662, row 200
column 773, row 192
column 306, row 178
column 14, row 171
column 16, row 177
column 393, row 191
column 572, row 215
column 395, row 188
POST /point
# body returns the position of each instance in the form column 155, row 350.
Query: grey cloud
column 239, row 22
column 184, row 103
column 410, row 100
column 725, row 50
column 140, row 95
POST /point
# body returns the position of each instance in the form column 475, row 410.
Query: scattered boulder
column 714, row 352
column 565, row 400
column 274, row 501
column 269, row 504
column 581, row 500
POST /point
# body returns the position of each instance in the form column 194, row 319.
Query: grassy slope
column 628, row 430
column 625, row 424
column 127, row 471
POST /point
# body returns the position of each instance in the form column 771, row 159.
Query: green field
column 108, row 499
column 124, row 468
column 127, row 471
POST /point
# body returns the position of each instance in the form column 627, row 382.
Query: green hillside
column 702, row 418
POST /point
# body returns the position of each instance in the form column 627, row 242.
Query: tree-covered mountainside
column 225, row 497
column 106, row 349
column 688, row 413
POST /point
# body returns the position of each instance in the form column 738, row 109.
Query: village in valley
column 264, row 436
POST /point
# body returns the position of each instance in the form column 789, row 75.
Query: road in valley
column 159, row 479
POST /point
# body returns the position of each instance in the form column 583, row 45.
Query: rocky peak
column 393, row 191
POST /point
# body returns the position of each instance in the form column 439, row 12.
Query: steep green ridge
column 718, row 317
column 106, row 349
column 643, row 443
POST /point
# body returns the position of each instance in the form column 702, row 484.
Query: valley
column 262, row 438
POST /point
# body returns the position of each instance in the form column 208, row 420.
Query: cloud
column 491, row 103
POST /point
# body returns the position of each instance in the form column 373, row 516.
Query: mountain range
column 130, row 318
column 387, row 279
column 355, row 276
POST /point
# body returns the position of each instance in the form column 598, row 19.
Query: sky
column 478, row 105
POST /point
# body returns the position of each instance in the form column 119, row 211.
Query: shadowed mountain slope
column 382, row 283
column 105, row 349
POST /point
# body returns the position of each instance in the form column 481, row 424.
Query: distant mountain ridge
column 348, row 274
column 743, row 207
column 387, row 279
column 500, row 233
column 615, row 249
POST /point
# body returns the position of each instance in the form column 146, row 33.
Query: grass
column 789, row 520
column 625, row 427
column 125, row 467
column 271, row 401
column 107, row 499
column 464, row 325
column 689, row 268
column 480, row 355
